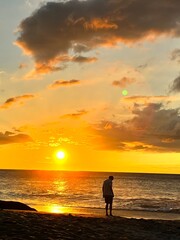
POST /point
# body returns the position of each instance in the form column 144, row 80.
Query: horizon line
column 63, row 170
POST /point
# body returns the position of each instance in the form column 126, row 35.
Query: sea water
column 58, row 191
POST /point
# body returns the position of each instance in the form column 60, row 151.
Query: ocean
column 61, row 191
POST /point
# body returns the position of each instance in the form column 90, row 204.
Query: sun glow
column 60, row 154
column 60, row 159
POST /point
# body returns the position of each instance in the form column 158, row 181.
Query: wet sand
column 33, row 225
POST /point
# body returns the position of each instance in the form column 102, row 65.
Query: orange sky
column 63, row 72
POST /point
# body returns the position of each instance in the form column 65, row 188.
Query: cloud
column 175, row 86
column 78, row 48
column 42, row 69
column 75, row 115
column 81, row 59
column 142, row 67
column 57, row 28
column 124, row 82
column 175, row 55
column 10, row 137
column 22, row 65
column 153, row 128
column 60, row 83
column 53, row 65
column 147, row 98
column 19, row 99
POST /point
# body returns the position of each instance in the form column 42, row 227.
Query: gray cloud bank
column 58, row 27
column 175, row 86
column 175, row 55
column 153, row 128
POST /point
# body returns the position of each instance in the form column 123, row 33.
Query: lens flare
column 124, row 92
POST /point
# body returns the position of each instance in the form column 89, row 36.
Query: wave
column 156, row 204
column 152, row 209
column 176, row 211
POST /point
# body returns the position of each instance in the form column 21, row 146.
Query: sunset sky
column 97, row 79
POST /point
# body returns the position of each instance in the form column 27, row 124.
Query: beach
column 36, row 225
column 70, row 206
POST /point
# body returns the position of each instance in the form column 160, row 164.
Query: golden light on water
column 59, row 209
column 56, row 209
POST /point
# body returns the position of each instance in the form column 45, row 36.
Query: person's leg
column 111, row 209
column 106, row 209
column 111, row 202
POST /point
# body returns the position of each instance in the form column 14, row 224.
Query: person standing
column 108, row 194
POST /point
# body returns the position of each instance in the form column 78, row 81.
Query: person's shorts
column 108, row 199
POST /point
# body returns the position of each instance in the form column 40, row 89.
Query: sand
column 33, row 225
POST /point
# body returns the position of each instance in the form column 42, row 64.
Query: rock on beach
column 15, row 206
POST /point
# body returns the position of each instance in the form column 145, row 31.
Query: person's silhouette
column 108, row 194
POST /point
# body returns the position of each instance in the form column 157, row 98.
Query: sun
column 60, row 154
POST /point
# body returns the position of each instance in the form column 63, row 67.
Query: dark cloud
column 81, row 59
column 75, row 115
column 10, row 137
column 175, row 55
column 124, row 82
column 57, row 28
column 175, row 86
column 153, row 128
column 20, row 99
column 60, row 83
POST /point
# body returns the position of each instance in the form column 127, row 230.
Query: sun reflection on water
column 60, row 186
column 56, row 209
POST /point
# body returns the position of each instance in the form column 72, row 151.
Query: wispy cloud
column 147, row 99
column 22, row 65
column 141, row 67
column 42, row 69
column 18, row 99
column 63, row 83
column 76, row 115
column 10, row 137
column 123, row 82
column 81, row 59
column 57, row 64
